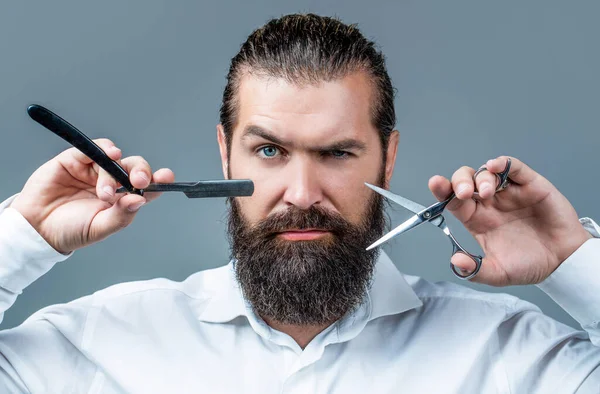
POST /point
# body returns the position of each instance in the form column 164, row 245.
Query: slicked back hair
column 308, row 49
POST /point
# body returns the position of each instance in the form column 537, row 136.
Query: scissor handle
column 502, row 177
column 456, row 248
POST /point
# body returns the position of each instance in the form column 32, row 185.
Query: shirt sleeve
column 24, row 255
column 42, row 354
column 541, row 355
column 575, row 284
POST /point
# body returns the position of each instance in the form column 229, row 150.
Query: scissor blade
column 404, row 227
column 406, row 203
column 438, row 221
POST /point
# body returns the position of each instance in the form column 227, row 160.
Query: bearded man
column 302, row 307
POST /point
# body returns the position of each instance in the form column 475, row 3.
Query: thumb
column 115, row 218
column 490, row 272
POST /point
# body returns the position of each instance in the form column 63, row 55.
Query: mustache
column 294, row 218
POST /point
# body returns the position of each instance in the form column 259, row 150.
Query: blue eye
column 339, row 154
column 269, row 151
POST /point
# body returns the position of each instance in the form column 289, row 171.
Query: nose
column 303, row 185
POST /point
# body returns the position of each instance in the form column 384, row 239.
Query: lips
column 303, row 234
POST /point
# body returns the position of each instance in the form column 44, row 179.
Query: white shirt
column 199, row 336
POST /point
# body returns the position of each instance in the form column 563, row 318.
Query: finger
column 106, row 186
column 104, row 143
column 485, row 183
column 519, row 172
column 490, row 273
column 464, row 264
column 115, row 218
column 78, row 164
column 139, row 171
column 164, row 175
column 462, row 183
column 442, row 188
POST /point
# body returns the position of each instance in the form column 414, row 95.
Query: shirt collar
column 225, row 301
column 389, row 294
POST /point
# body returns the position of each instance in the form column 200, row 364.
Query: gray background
column 475, row 80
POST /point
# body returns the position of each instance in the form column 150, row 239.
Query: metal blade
column 169, row 187
column 438, row 221
column 406, row 203
column 225, row 188
column 204, row 189
column 404, row 227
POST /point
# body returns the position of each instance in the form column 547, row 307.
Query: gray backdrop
column 475, row 80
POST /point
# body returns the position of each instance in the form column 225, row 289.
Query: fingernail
column 462, row 188
column 108, row 190
column 143, row 176
column 484, row 186
column 135, row 207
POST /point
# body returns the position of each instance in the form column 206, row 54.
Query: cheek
column 267, row 191
column 241, row 166
column 348, row 194
column 352, row 203
column 259, row 205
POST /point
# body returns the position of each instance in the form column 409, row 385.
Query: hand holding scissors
column 433, row 215
column 525, row 231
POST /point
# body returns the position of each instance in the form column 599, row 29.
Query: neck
column 302, row 334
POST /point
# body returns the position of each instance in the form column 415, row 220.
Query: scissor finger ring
column 479, row 171
column 503, row 185
column 503, row 179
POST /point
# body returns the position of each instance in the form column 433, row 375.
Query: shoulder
column 451, row 295
column 200, row 285
column 197, row 287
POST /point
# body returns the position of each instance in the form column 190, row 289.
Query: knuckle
column 137, row 162
column 137, row 159
column 72, row 153
column 461, row 179
column 104, row 179
column 462, row 173
column 123, row 223
column 484, row 176
column 105, row 142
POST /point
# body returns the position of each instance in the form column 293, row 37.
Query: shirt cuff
column 574, row 284
column 24, row 254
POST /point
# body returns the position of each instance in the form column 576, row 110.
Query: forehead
column 338, row 107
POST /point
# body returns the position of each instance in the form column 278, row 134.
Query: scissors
column 433, row 215
column 200, row 189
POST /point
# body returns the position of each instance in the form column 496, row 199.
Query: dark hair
column 308, row 48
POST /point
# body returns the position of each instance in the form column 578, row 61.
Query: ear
column 223, row 150
column 392, row 149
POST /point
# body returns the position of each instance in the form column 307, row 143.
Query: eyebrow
column 345, row 144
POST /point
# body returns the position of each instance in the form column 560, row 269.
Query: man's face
column 308, row 149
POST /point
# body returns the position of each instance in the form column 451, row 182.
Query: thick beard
column 305, row 282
